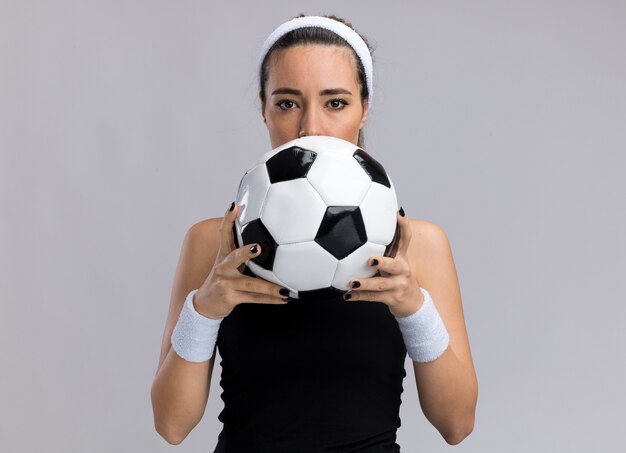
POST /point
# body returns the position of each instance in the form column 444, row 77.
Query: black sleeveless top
column 320, row 375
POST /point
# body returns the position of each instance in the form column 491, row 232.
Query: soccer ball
column 319, row 207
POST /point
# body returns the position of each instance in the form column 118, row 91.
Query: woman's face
column 313, row 90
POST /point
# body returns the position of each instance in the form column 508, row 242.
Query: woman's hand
column 225, row 287
column 396, row 287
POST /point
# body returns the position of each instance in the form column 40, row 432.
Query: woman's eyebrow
column 287, row 91
column 326, row 92
column 334, row 91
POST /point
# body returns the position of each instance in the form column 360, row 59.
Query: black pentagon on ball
column 290, row 163
column 372, row 167
column 323, row 293
column 342, row 230
column 255, row 232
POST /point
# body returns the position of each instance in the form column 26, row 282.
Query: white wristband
column 424, row 332
column 194, row 335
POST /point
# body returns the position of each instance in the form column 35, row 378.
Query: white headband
column 352, row 37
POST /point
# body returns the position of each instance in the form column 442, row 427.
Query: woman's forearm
column 448, row 393
column 179, row 395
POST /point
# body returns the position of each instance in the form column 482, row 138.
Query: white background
column 122, row 123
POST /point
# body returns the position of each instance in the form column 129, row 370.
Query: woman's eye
column 337, row 104
column 286, row 104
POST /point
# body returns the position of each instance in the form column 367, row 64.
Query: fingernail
column 284, row 292
column 356, row 284
column 254, row 248
column 347, row 296
column 287, row 299
column 232, row 206
column 374, row 262
column 401, row 211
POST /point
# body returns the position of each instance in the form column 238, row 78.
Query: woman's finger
column 227, row 242
column 260, row 286
column 405, row 233
column 240, row 255
column 394, row 246
column 367, row 296
column 389, row 265
column 257, row 298
column 371, row 284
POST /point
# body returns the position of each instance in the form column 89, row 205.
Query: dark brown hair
column 315, row 35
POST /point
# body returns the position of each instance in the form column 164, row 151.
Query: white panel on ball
column 301, row 220
column 355, row 265
column 267, row 275
column 324, row 144
column 315, row 272
column 339, row 179
column 252, row 190
column 378, row 209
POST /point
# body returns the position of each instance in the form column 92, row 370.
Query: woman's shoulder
column 428, row 242
column 203, row 238
column 206, row 227
column 425, row 233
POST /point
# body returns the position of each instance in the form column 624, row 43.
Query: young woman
column 322, row 375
